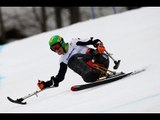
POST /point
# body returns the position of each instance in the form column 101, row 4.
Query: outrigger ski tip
column 18, row 101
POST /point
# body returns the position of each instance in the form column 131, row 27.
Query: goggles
column 55, row 47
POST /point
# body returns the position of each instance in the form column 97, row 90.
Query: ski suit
column 76, row 59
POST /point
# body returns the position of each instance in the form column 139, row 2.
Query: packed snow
column 132, row 37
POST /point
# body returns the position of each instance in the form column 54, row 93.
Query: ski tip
column 18, row 101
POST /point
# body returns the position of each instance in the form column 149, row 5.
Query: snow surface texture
column 133, row 37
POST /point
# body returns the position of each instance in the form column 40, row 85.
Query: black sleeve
column 61, row 73
column 89, row 42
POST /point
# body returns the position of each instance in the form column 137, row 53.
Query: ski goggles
column 55, row 47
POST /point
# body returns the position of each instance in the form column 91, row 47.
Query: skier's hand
column 100, row 47
column 40, row 84
column 95, row 42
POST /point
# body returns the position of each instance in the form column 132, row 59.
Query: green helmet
column 58, row 39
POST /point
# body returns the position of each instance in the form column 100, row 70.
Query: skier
column 88, row 62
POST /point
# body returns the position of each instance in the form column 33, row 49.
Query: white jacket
column 74, row 49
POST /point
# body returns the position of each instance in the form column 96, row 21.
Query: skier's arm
column 89, row 42
column 61, row 74
column 96, row 43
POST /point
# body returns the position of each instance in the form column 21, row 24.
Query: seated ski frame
column 103, row 70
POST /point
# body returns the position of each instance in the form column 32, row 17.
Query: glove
column 100, row 48
column 53, row 81
column 41, row 84
column 95, row 42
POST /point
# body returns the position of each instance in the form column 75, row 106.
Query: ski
column 20, row 100
column 105, row 80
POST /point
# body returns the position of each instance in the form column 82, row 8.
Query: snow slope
column 133, row 37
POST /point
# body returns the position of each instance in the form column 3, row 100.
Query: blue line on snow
column 1, row 47
column 135, row 101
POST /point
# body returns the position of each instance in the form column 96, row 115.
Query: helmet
column 57, row 39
